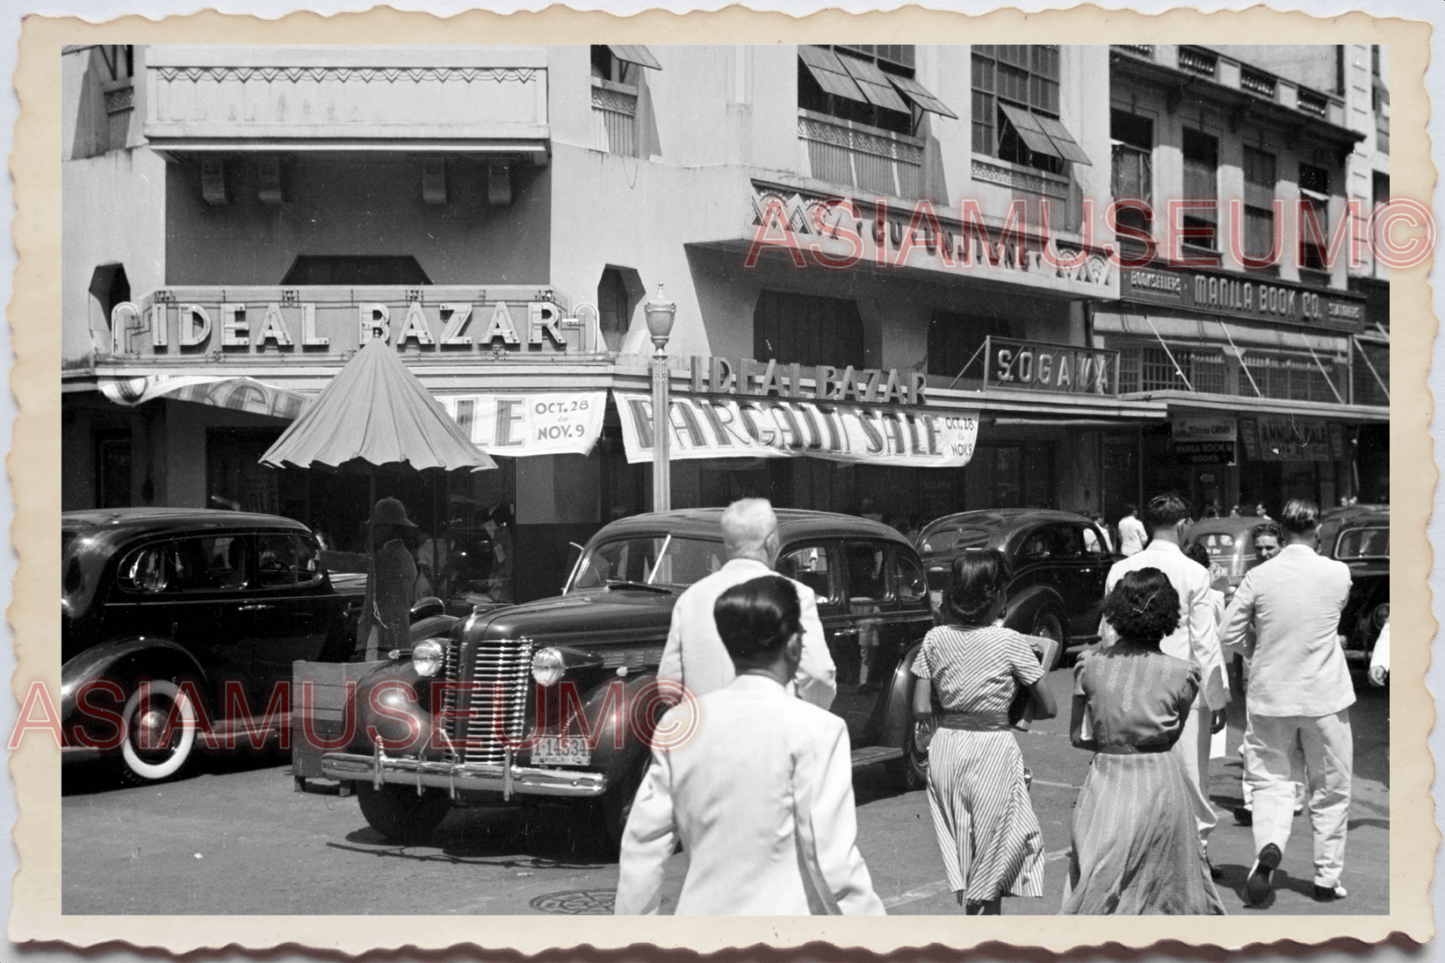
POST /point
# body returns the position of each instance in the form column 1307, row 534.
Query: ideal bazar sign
column 750, row 409
column 1251, row 300
column 332, row 320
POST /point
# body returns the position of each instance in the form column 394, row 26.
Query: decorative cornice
column 346, row 74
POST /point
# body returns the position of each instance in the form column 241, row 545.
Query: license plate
column 552, row 751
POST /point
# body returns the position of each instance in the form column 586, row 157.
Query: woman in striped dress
column 1136, row 847
column 989, row 837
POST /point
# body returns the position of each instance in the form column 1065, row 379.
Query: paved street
column 235, row 838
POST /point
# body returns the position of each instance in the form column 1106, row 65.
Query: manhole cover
column 577, row 902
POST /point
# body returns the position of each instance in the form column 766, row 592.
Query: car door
column 289, row 608
column 1093, row 574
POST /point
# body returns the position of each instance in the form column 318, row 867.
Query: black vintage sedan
column 1360, row 538
column 482, row 717
column 1057, row 563
column 178, row 629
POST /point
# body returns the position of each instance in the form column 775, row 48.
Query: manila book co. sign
column 747, row 409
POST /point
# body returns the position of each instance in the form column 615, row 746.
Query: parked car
column 1057, row 564
column 1230, row 545
column 482, row 716
column 207, row 607
column 1361, row 539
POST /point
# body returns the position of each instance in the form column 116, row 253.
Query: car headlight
column 427, row 658
column 1381, row 615
column 548, row 666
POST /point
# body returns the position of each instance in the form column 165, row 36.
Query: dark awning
column 874, row 83
column 823, row 64
column 1044, row 135
column 634, row 53
column 920, row 95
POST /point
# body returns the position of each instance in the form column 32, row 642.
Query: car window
column 809, row 564
column 909, row 580
column 650, row 559
column 866, row 581
column 203, row 564
column 1066, row 541
column 1363, row 543
column 286, row 559
column 946, row 539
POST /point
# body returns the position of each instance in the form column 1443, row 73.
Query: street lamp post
column 660, row 314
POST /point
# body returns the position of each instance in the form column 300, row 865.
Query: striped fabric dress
column 988, row 834
column 1136, row 846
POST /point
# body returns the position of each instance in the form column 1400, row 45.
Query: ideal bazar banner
column 522, row 424
column 702, row 427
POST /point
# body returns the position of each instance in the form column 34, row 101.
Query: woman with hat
column 390, row 581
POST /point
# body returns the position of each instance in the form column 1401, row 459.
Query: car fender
column 1020, row 611
column 898, row 701
column 622, row 713
column 392, row 701
column 121, row 658
column 432, row 627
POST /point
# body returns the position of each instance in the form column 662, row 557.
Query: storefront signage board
column 327, row 322
column 1038, row 366
column 518, row 425
column 1284, row 438
column 1250, row 300
column 234, row 394
column 733, row 427
column 1204, row 441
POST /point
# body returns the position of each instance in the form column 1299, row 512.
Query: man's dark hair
column 1165, row 511
column 1268, row 528
column 1300, row 516
column 1143, row 606
column 975, row 581
column 1196, row 552
column 758, row 617
column 1130, row 508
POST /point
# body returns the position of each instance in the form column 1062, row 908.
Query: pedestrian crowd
column 762, row 799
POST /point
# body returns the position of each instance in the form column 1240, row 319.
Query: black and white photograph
column 773, row 479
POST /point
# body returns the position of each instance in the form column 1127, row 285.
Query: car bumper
column 454, row 777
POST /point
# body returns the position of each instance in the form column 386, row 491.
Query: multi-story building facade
column 1246, row 318
column 917, row 237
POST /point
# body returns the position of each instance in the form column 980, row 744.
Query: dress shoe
column 1260, row 884
column 1328, row 894
column 1243, row 817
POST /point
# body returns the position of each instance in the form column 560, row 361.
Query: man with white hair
column 695, row 655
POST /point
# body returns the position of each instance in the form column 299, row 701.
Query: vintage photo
column 597, row 479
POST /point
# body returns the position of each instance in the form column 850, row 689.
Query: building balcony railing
column 1145, row 50
column 864, row 158
column 1312, row 103
column 1198, row 61
column 1257, row 82
column 454, row 98
column 614, row 117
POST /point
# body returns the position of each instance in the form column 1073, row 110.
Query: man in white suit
column 761, row 795
column 1299, row 696
column 695, row 655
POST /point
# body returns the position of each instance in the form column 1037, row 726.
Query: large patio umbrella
column 375, row 416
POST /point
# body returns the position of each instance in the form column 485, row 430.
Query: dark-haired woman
column 987, row 831
column 1136, row 846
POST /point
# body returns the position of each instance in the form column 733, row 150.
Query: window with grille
column 1291, row 377
column 1132, row 176
column 1259, row 185
column 1201, row 169
column 1314, row 189
column 858, row 88
column 1148, row 367
column 1016, row 106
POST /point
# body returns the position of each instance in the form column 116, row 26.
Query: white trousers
column 1272, row 747
column 1193, row 752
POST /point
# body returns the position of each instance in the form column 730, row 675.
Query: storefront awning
column 740, row 427
column 1194, row 327
column 1180, row 401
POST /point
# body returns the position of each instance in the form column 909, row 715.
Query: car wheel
column 151, row 750
column 616, row 806
column 398, row 813
column 1050, row 624
column 911, row 771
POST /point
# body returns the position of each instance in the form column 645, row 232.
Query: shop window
column 1019, row 476
column 1016, row 107
column 1201, row 177
column 1259, row 186
column 618, row 294
column 1314, row 221
column 617, row 88
column 807, row 329
column 112, row 469
column 1132, row 177
column 955, row 344
column 355, row 269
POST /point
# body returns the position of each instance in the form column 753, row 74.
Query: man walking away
column 1196, row 639
column 1299, row 696
column 761, row 796
column 1132, row 535
column 695, row 655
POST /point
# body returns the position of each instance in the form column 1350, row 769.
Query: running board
column 871, row 754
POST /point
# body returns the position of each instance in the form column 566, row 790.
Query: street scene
column 579, row 479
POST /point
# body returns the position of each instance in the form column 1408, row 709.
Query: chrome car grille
column 501, row 674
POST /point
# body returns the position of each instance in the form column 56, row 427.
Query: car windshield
column 650, row 560
column 950, row 539
column 1360, row 543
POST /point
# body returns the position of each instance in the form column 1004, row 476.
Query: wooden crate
column 327, row 710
